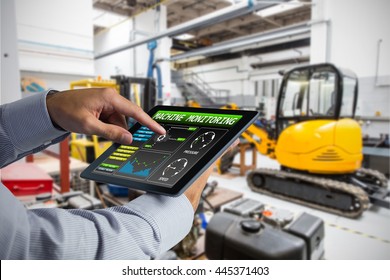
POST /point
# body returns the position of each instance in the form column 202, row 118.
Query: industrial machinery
column 318, row 145
column 247, row 229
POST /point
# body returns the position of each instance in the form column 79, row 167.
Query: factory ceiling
column 181, row 11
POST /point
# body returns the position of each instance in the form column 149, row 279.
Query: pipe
column 159, row 83
column 378, row 55
column 206, row 20
column 293, row 30
column 134, row 33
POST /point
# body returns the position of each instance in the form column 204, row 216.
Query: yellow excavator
column 318, row 145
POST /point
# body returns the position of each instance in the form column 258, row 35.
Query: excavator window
column 348, row 101
column 309, row 94
column 294, row 99
column 322, row 88
column 316, row 92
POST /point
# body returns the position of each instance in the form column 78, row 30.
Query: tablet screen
column 164, row 159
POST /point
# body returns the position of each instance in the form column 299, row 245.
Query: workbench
column 377, row 159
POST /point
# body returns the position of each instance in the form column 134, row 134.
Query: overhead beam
column 302, row 29
column 271, row 21
column 212, row 18
column 228, row 24
column 247, row 20
column 238, row 31
column 110, row 8
column 183, row 13
column 301, row 46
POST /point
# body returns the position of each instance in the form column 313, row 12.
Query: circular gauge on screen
column 162, row 138
column 203, row 140
column 175, row 167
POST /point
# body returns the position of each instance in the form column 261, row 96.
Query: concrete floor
column 367, row 237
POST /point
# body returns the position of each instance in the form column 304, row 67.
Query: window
column 295, row 97
column 348, row 97
column 322, row 92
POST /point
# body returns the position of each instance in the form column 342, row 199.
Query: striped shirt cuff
column 29, row 124
column 173, row 216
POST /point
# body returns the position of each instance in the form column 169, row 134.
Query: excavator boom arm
column 261, row 140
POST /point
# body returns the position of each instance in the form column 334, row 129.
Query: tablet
column 168, row 164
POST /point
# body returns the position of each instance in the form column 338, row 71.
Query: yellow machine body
column 87, row 150
column 321, row 146
column 193, row 104
column 83, row 148
column 260, row 139
column 90, row 83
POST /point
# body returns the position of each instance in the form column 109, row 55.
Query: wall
column 134, row 62
column 54, row 43
column 55, row 36
column 354, row 29
column 351, row 37
column 227, row 75
column 240, row 79
column 119, row 63
column 10, row 78
column 51, row 80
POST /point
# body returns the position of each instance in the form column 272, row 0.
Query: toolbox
column 26, row 179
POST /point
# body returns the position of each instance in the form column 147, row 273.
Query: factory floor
column 367, row 237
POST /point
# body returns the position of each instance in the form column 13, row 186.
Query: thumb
column 111, row 132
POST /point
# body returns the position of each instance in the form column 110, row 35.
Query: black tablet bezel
column 248, row 117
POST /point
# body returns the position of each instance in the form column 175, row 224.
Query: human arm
column 29, row 125
column 26, row 128
column 141, row 229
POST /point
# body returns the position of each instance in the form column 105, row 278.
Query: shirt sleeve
column 26, row 128
column 142, row 229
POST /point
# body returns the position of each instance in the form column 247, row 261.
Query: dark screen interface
column 164, row 159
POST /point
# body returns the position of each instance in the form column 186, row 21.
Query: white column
column 10, row 76
column 320, row 30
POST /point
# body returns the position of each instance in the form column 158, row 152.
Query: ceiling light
column 280, row 8
column 185, row 36
column 106, row 19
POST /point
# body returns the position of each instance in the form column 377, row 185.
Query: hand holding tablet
column 168, row 164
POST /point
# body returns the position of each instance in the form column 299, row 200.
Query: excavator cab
column 315, row 129
column 316, row 92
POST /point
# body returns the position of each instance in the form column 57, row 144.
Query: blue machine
column 152, row 46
